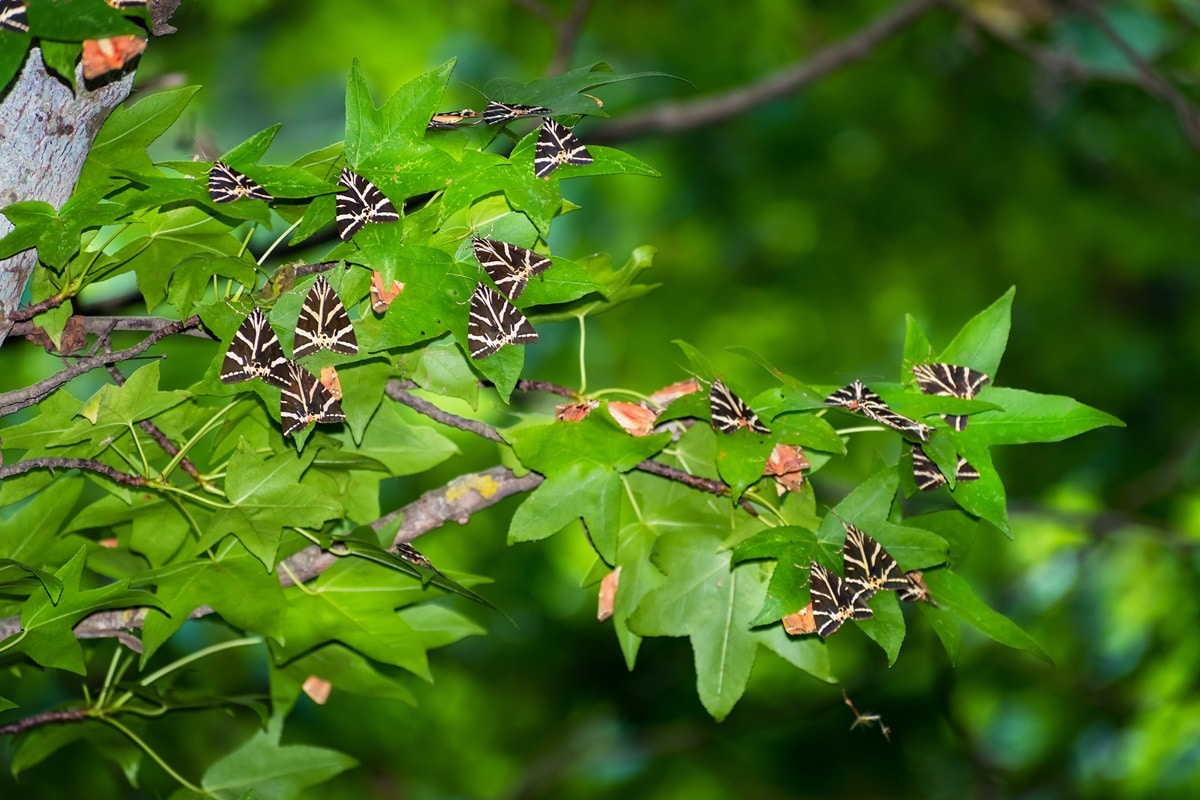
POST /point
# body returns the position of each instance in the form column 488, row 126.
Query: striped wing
column 255, row 352
column 898, row 422
column 226, row 184
column 928, row 477
column 859, row 399
column 358, row 202
column 916, row 589
column 500, row 113
column 509, row 266
column 13, row 17
column 832, row 602
column 869, row 568
column 495, row 322
column 950, row 380
column 556, row 145
column 304, row 401
column 323, row 323
column 120, row 4
column 730, row 413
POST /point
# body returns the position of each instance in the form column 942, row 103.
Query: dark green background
column 925, row 180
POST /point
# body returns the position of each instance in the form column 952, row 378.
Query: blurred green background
column 926, row 179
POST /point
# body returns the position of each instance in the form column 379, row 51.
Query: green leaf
column 270, row 770
column 953, row 594
column 248, row 153
column 232, row 582
column 442, row 368
column 404, row 443
column 46, row 634
column 13, row 49
column 111, row 413
column 60, row 59
column 713, row 603
column 793, row 548
column 362, row 390
column 886, row 628
column 1029, row 417
column 982, row 341
column 264, row 491
column 76, row 20
column 345, row 669
column 354, row 602
column 741, row 456
column 13, row 573
column 193, row 277
column 639, row 577
column 28, row 531
column 122, row 141
column 563, row 94
column 605, row 161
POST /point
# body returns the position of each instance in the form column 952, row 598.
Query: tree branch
column 91, row 465
column 673, row 117
column 156, row 433
column 22, row 398
column 568, row 31
column 45, row 718
column 398, row 391
column 99, row 325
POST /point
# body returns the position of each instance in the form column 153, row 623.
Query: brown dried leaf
column 331, row 381
column 801, row 622
column 675, row 391
column 382, row 298
column 74, row 336
column 636, row 420
column 608, row 594
column 102, row 56
column 573, row 412
column 317, row 689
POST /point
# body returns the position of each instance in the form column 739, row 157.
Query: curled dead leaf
column 381, row 298
column 665, row 395
column 800, row 623
column 635, row 419
column 331, row 381
column 102, row 56
column 573, row 412
column 317, row 689
column 608, row 594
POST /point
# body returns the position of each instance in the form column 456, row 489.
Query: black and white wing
column 358, row 202
column 255, row 352
column 916, row 589
column 500, row 113
column 303, row 401
column 832, row 602
column 13, row 17
column 730, row 413
column 323, row 323
column 928, row 477
column 226, row 184
column 855, row 397
column 859, row 399
column 950, row 380
column 869, row 568
column 556, row 145
column 495, row 322
column 509, row 266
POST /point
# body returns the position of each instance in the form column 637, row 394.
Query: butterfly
column 13, row 17
column 928, row 477
column 509, row 266
column 869, row 568
column 916, row 589
column 495, row 322
column 858, row 398
column 729, row 412
column 447, row 120
column 304, row 400
column 950, row 380
column 500, row 113
column 833, row 602
column 226, row 184
column 255, row 352
column 360, row 202
column 323, row 323
column 556, row 145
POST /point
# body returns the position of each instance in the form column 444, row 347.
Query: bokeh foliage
column 927, row 179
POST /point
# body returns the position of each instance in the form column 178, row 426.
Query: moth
column 303, row 401
column 495, row 322
column 861, row 400
column 323, row 323
column 509, row 266
column 446, row 120
column 556, row 145
column 916, row 589
column 833, row 602
column 869, row 568
column 255, row 352
column 950, row 380
column 928, row 477
column 413, row 556
column 119, row 4
column 226, row 184
column 730, row 413
column 13, row 17
column 499, row 113
column 358, row 202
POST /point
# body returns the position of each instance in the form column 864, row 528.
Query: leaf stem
column 133, row 737
column 278, row 240
column 190, row 443
column 582, row 352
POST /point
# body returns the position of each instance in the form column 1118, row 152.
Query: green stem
column 620, row 393
column 163, row 486
column 133, row 737
column 141, row 451
column 637, row 511
column 190, row 443
column 13, row 642
column 281, row 237
column 582, row 351
column 183, row 662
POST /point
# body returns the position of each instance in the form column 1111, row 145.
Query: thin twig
column 568, row 36
column 89, row 464
column 539, row 10
column 398, row 391
column 22, row 398
column 672, row 117
column 99, row 325
column 44, row 718
column 29, row 312
column 1150, row 79
column 695, row 481
column 157, row 434
column 545, row 386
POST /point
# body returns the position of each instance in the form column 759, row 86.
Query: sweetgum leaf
column 953, row 594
